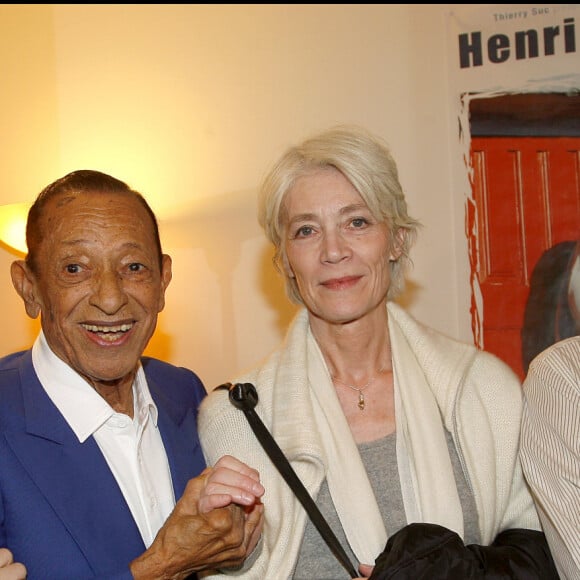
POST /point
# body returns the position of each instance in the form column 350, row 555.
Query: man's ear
column 166, row 275
column 397, row 244
column 24, row 282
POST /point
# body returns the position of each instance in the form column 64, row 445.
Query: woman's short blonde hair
column 365, row 160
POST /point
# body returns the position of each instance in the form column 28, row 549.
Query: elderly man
column 101, row 472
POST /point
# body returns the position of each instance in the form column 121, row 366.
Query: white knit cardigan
column 439, row 382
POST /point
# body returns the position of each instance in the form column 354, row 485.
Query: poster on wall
column 514, row 82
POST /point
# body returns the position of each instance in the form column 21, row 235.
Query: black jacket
column 432, row 552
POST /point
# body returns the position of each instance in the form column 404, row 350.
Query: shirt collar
column 81, row 406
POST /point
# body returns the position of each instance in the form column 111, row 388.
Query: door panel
column 527, row 196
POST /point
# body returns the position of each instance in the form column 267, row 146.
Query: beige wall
column 190, row 104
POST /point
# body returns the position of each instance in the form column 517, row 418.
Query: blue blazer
column 61, row 511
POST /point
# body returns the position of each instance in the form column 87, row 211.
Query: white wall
column 190, row 104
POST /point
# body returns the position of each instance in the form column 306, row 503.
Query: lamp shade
column 13, row 226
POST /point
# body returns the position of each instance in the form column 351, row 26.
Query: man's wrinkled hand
column 215, row 524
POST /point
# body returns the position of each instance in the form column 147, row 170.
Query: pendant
column 361, row 401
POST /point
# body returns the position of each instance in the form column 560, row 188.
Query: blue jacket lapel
column 178, row 429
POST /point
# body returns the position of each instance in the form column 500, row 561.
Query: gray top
column 316, row 561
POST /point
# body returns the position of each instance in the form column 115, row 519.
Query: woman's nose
column 334, row 247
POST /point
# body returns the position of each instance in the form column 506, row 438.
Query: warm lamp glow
column 13, row 226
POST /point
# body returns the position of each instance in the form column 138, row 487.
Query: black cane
column 244, row 396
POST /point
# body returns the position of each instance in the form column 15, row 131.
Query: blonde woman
column 386, row 421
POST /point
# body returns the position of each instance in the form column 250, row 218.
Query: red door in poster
column 527, row 199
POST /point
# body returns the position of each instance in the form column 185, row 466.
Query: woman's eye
column 304, row 231
column 359, row 222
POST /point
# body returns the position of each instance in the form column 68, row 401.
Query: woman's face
column 335, row 249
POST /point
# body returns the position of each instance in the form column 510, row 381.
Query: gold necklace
column 359, row 390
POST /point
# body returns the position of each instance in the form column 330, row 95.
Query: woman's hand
column 230, row 481
column 365, row 571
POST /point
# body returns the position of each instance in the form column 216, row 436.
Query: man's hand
column 216, row 524
column 10, row 570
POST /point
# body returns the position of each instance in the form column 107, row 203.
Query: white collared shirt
column 132, row 448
